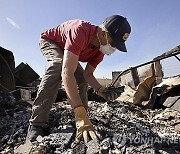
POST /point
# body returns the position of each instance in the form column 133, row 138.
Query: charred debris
column 144, row 119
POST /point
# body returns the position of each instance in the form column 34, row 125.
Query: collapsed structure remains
column 144, row 119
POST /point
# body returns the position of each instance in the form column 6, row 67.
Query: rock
column 105, row 145
column 177, row 128
column 124, row 110
column 119, row 140
column 24, row 148
column 5, row 138
column 79, row 148
column 116, row 151
column 163, row 152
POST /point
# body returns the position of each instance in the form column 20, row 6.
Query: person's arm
column 70, row 62
column 89, row 77
column 83, row 124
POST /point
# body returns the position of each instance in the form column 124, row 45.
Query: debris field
column 145, row 119
column 121, row 128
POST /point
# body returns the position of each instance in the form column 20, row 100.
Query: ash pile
column 122, row 128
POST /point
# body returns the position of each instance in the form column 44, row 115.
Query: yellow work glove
column 84, row 126
column 110, row 96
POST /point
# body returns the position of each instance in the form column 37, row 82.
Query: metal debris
column 166, row 94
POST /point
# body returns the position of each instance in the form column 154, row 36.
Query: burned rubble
column 121, row 127
column 144, row 119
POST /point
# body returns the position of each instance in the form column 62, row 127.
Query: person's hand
column 102, row 91
column 84, row 126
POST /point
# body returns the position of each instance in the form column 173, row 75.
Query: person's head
column 116, row 30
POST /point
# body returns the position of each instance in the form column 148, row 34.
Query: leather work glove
column 102, row 91
column 84, row 126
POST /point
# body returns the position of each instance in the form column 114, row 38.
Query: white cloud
column 13, row 23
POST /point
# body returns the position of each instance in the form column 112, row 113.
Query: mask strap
column 98, row 38
column 108, row 41
column 107, row 38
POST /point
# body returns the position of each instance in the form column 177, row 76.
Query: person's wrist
column 80, row 112
column 78, row 106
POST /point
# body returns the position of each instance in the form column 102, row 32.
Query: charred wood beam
column 157, row 68
column 135, row 76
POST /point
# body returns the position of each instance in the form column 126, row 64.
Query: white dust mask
column 106, row 49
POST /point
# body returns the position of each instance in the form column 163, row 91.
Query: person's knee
column 55, row 66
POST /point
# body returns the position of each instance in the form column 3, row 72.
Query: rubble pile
column 13, row 125
column 121, row 128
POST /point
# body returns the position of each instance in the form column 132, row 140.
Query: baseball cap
column 119, row 30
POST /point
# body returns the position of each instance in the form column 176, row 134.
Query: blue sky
column 155, row 29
